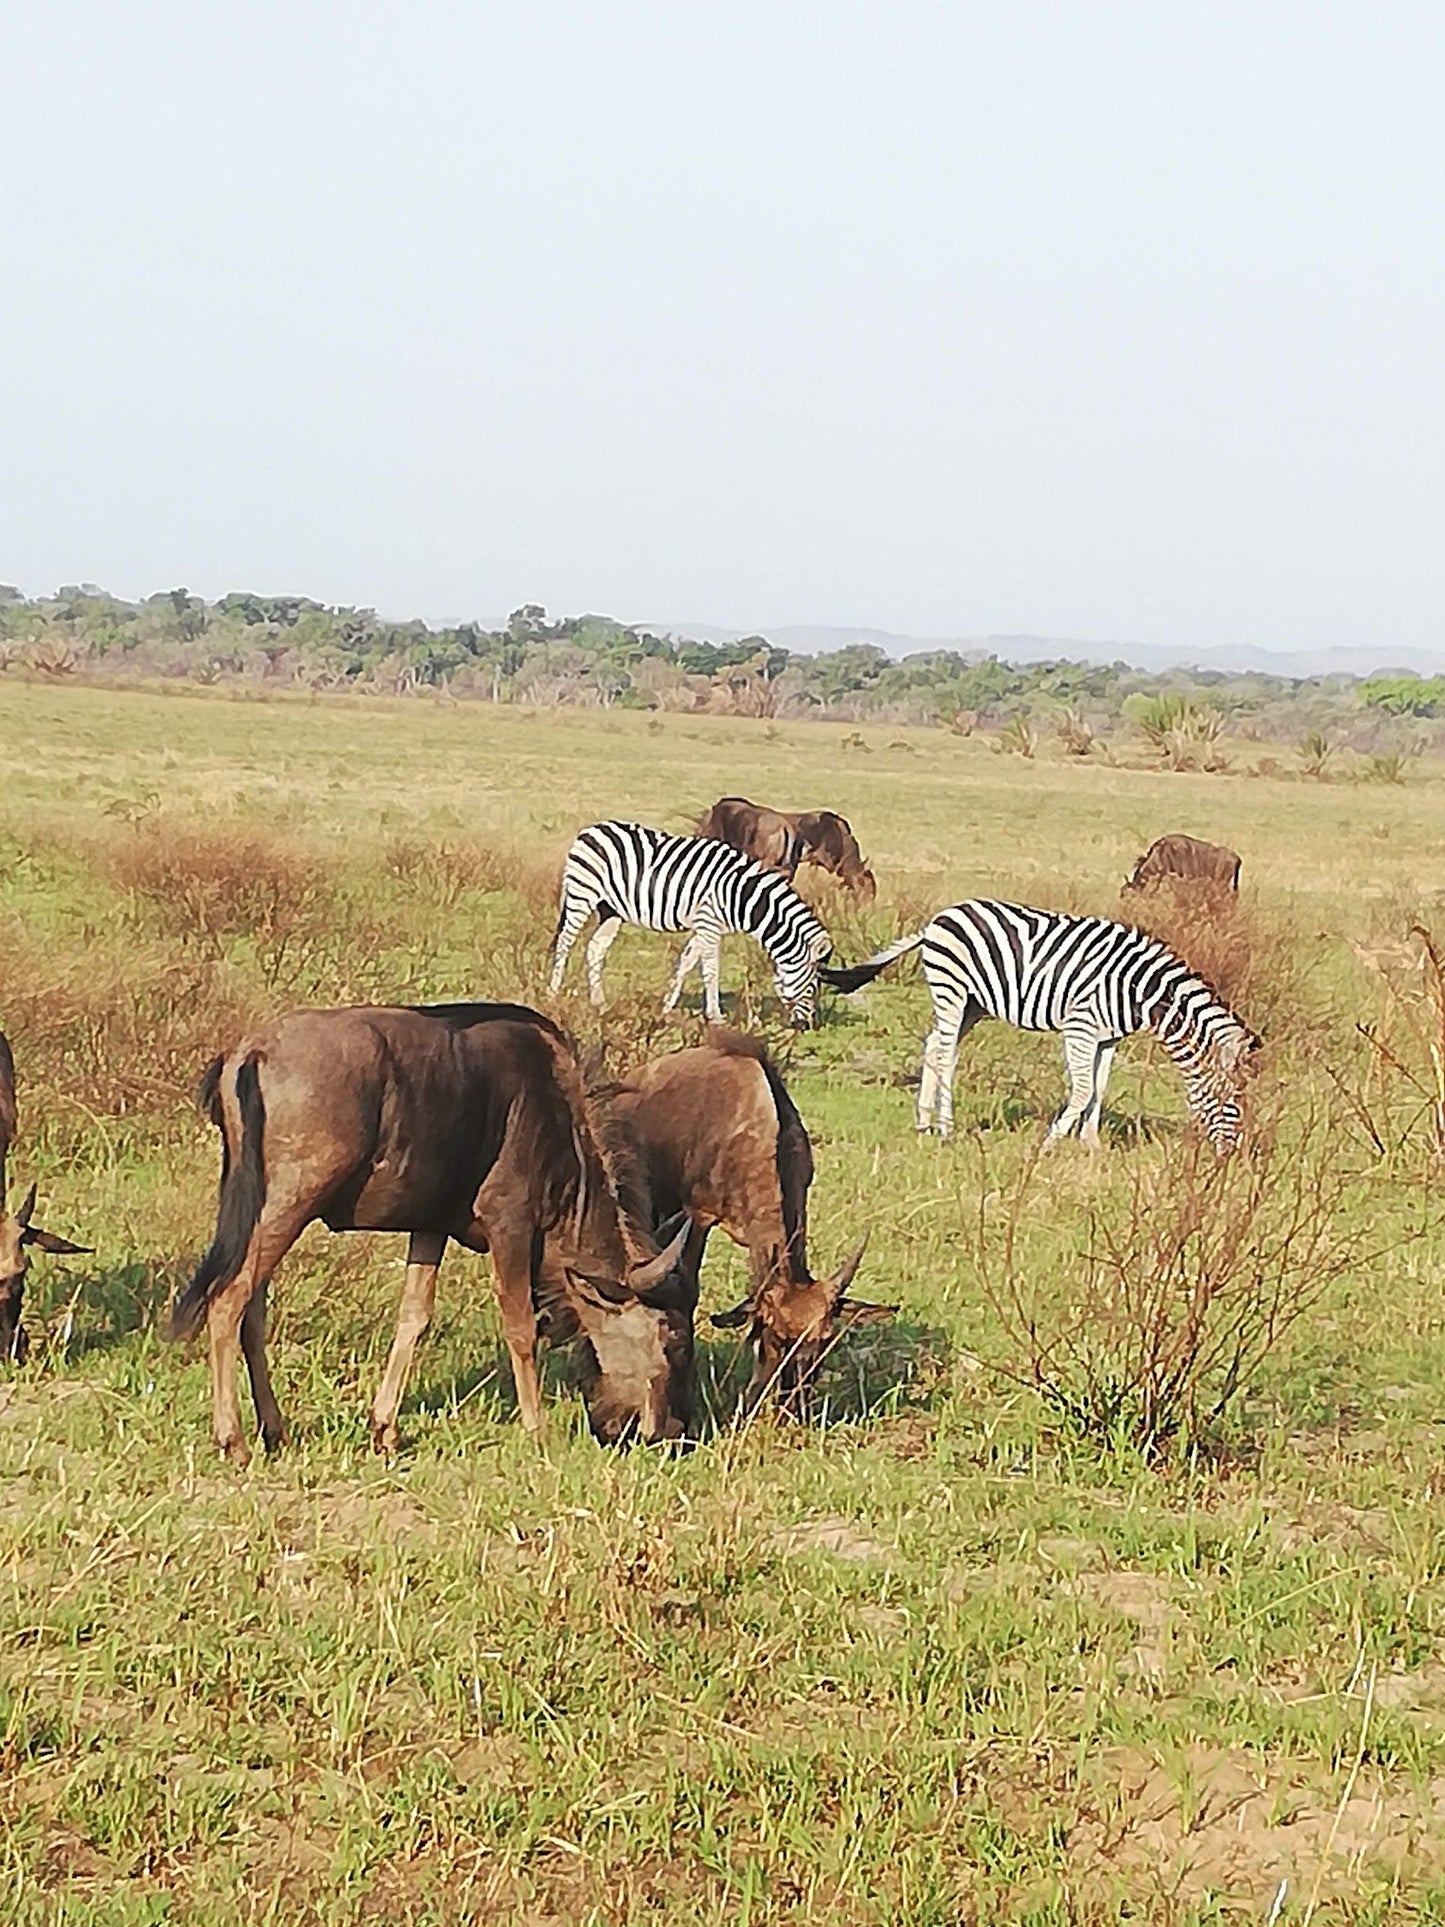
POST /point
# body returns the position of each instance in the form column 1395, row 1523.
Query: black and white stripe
column 630, row 873
column 1095, row 980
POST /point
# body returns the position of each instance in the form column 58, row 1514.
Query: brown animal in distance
column 17, row 1234
column 782, row 839
column 1185, row 859
column 723, row 1140
column 460, row 1121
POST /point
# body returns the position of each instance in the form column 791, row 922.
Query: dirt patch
column 1230, row 1823
column 842, row 1537
column 1142, row 1597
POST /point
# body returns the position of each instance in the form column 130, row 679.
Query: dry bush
column 1018, row 737
column 1150, row 1318
column 96, row 1033
column 1251, row 958
column 209, row 887
column 446, row 872
column 1396, row 1096
column 1073, row 734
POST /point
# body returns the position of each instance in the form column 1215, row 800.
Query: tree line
column 594, row 660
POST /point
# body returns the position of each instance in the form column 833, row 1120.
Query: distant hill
column 811, row 639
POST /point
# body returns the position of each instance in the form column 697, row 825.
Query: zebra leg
column 709, row 963
column 602, row 940
column 927, row 1085
column 684, row 964
column 1081, row 1057
column 574, row 914
column 947, row 1034
column 1103, row 1064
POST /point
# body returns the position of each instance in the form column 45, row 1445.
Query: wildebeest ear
column 730, row 1320
column 22, row 1216
column 643, row 1277
column 856, row 1312
column 843, row 1277
column 57, row 1247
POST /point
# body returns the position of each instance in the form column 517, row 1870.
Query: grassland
column 932, row 1660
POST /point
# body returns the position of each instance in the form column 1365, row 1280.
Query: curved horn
column 644, row 1276
column 838, row 1284
column 22, row 1216
column 730, row 1320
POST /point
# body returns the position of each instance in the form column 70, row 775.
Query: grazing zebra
column 629, row 873
column 1094, row 980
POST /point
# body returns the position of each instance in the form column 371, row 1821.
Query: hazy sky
column 1095, row 320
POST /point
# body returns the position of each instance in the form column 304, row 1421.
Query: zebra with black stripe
column 1095, row 980
column 630, row 873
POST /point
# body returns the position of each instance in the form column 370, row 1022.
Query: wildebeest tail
column 864, row 973
column 243, row 1192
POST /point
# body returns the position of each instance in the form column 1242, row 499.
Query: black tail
column 243, row 1192
column 855, row 978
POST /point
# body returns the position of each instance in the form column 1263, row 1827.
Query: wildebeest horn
column 845, row 1275
column 22, row 1216
column 730, row 1320
column 644, row 1276
column 57, row 1247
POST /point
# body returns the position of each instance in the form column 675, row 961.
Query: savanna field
column 986, row 1641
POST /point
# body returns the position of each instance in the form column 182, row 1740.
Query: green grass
column 930, row 1661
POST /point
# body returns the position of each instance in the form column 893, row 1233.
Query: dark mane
column 794, row 1149
column 464, row 1016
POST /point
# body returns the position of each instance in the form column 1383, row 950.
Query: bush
column 1158, row 1315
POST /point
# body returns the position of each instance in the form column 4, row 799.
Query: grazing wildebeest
column 1187, row 860
column 1092, row 979
column 782, row 839
column 462, row 1121
column 17, row 1233
column 722, row 1140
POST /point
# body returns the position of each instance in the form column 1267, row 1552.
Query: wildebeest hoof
column 275, row 1439
column 385, row 1439
column 234, row 1452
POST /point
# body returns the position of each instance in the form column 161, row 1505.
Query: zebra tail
column 864, row 973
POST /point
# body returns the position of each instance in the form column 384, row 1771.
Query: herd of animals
column 473, row 1123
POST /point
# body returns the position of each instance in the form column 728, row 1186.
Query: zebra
column 631, row 873
column 1094, row 980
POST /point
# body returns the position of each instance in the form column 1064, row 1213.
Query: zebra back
column 662, row 881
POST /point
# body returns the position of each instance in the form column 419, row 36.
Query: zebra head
column 795, row 972
column 1215, row 1073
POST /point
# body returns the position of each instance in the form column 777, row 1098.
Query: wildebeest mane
column 794, row 1150
column 464, row 1016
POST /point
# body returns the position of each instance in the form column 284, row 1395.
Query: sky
column 1086, row 319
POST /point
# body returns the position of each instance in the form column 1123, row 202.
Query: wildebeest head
column 637, row 1355
column 794, row 1325
column 832, row 845
column 17, row 1236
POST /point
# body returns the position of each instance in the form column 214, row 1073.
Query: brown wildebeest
column 1188, row 860
column 723, row 1141
column 17, row 1233
column 782, row 839
column 462, row 1121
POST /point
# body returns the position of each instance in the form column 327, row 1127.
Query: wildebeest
column 461, row 1121
column 782, row 839
column 723, row 1141
column 1188, row 860
column 17, row 1234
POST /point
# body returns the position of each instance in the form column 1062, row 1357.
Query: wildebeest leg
column 272, row 1238
column 684, row 964
column 418, row 1299
column 1103, row 1064
column 253, row 1344
column 602, row 940
column 514, row 1254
